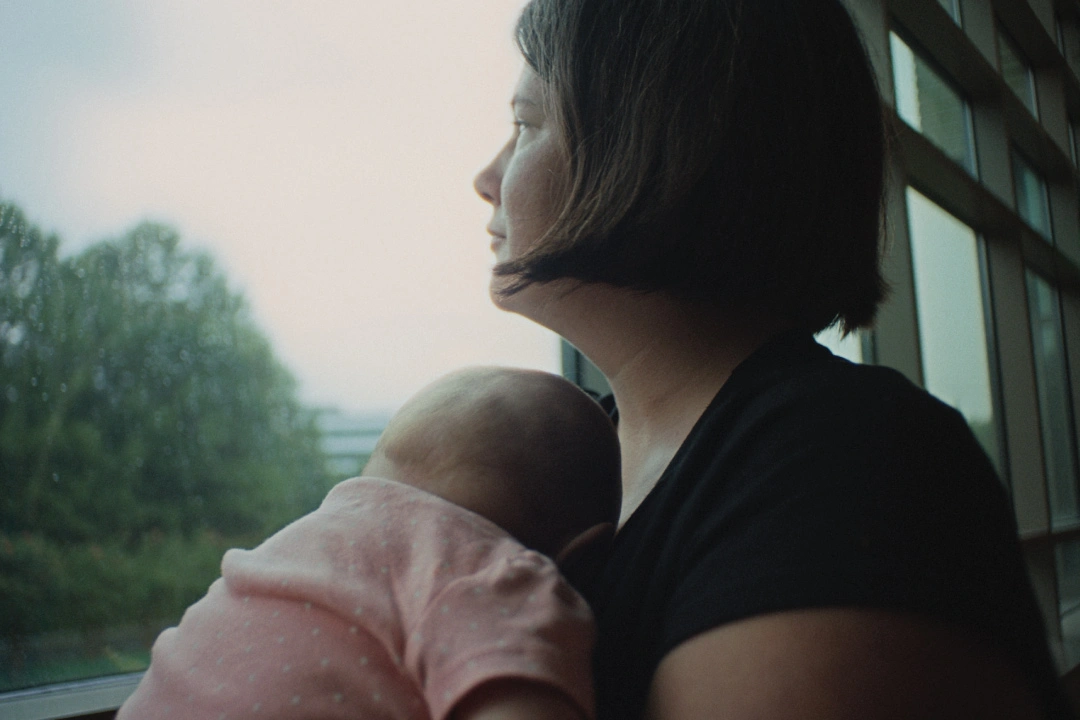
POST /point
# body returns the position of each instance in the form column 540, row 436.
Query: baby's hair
column 527, row 449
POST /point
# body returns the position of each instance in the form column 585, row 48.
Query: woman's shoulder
column 794, row 404
column 811, row 482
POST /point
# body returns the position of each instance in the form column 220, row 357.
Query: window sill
column 68, row 699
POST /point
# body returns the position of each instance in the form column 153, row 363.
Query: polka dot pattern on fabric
column 338, row 613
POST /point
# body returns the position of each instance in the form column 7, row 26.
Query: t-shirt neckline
column 775, row 353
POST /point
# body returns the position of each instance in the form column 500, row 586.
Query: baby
column 426, row 589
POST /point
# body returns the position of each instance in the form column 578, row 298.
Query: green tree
column 145, row 425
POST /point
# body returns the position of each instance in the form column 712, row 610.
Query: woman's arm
column 836, row 664
column 516, row 699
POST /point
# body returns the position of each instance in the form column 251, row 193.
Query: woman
column 692, row 189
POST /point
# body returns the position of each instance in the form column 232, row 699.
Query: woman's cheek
column 530, row 197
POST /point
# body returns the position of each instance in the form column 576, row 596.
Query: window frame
column 990, row 347
column 1017, row 160
column 921, row 55
column 1005, row 42
column 69, row 700
column 1055, row 528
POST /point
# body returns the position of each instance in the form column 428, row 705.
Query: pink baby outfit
column 386, row 602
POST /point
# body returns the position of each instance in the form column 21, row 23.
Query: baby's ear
column 584, row 556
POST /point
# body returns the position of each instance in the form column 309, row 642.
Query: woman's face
column 521, row 183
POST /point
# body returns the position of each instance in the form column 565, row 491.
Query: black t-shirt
column 813, row 482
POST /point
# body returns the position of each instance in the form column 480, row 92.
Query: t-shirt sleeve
column 515, row 619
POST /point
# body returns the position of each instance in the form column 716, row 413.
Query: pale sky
column 323, row 151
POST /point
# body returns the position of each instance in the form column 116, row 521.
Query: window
column 953, row 8
column 1072, row 142
column 1016, row 72
column 1067, row 556
column 1032, row 200
column 952, row 323
column 1067, row 41
column 848, row 346
column 314, row 254
column 928, row 103
column 1055, row 408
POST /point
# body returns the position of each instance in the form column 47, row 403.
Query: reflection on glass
column 1016, row 72
column 951, row 7
column 926, row 102
column 1032, row 201
column 1055, row 412
column 952, row 326
column 1067, row 556
column 846, row 346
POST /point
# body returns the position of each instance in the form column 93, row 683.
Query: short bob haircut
column 729, row 152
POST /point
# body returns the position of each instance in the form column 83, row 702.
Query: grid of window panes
column 954, row 292
column 955, row 353
column 1032, row 198
column 1055, row 410
column 929, row 103
column 1016, row 72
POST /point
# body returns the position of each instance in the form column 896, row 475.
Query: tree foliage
column 140, row 407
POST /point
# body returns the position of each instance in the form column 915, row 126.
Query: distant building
column 348, row 440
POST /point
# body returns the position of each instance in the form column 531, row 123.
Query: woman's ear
column 584, row 556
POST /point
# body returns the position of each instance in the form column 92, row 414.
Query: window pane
column 1032, row 201
column 152, row 414
column 1068, row 579
column 952, row 7
column 1055, row 411
column 952, row 326
column 849, row 346
column 926, row 102
column 1016, row 72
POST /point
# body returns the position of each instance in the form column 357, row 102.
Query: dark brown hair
column 729, row 152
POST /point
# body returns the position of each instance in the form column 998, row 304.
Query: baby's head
column 526, row 449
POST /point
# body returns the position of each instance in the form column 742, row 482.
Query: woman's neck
column 665, row 360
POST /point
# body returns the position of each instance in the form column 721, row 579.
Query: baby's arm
column 516, row 699
column 512, row 642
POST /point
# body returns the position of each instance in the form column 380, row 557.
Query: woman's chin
column 501, row 300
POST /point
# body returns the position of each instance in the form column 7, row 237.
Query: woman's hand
column 836, row 664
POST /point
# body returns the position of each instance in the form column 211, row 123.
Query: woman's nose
column 489, row 180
